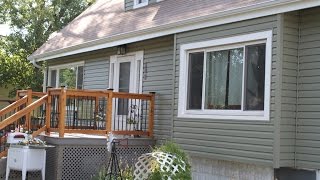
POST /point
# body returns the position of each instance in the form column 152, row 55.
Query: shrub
column 168, row 147
column 175, row 150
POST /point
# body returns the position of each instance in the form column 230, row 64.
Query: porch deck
column 66, row 113
column 76, row 123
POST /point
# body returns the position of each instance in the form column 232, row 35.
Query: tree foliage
column 31, row 23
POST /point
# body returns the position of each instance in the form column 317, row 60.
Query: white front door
column 125, row 76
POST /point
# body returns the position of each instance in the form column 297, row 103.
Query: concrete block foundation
column 209, row 169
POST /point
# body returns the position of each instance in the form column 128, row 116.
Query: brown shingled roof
column 107, row 18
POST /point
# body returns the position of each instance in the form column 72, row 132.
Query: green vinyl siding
column 308, row 127
column 157, row 77
column 289, row 88
column 128, row 4
column 234, row 140
column 4, row 97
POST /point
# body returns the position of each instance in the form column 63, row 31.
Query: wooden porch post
column 62, row 110
column 151, row 114
column 48, row 112
column 28, row 116
column 109, row 111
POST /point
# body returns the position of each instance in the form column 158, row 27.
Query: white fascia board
column 245, row 13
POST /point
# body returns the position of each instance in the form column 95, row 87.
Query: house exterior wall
column 157, row 75
column 128, row 4
column 308, row 126
column 231, row 140
column 4, row 96
column 279, row 142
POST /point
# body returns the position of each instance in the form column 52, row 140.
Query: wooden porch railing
column 78, row 111
column 19, row 115
column 99, row 112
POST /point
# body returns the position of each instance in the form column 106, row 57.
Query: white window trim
column 62, row 66
column 265, row 36
column 138, row 5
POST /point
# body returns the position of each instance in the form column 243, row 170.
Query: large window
column 70, row 76
column 227, row 78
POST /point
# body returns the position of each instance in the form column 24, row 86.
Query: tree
column 31, row 23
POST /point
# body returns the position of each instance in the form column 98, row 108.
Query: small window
column 229, row 80
column 140, row 3
column 70, row 76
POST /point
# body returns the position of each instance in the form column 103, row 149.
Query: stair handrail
column 13, row 106
column 11, row 119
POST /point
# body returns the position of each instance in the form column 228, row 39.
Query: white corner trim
column 240, row 14
column 138, row 5
column 225, row 114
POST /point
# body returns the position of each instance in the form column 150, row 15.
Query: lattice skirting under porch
column 81, row 159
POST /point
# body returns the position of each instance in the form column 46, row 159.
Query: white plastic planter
column 16, row 137
column 26, row 158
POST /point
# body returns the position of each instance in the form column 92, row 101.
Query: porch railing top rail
column 13, row 106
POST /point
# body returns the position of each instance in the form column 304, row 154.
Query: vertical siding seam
column 173, row 82
column 297, row 89
column 278, row 94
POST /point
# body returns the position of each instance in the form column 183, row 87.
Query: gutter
column 271, row 7
column 34, row 63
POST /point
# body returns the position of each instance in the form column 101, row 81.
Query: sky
column 4, row 29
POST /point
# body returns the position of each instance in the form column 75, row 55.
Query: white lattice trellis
column 164, row 161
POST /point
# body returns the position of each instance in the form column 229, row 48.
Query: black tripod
column 113, row 168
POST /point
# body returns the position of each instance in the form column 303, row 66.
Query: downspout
column 297, row 89
column 173, row 82
column 34, row 63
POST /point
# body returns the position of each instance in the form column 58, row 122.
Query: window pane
column 124, row 77
column 80, row 77
column 124, row 84
column 141, row 1
column 195, row 74
column 67, row 77
column 255, row 77
column 53, row 79
column 224, row 79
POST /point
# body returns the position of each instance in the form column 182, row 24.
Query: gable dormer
column 134, row 4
